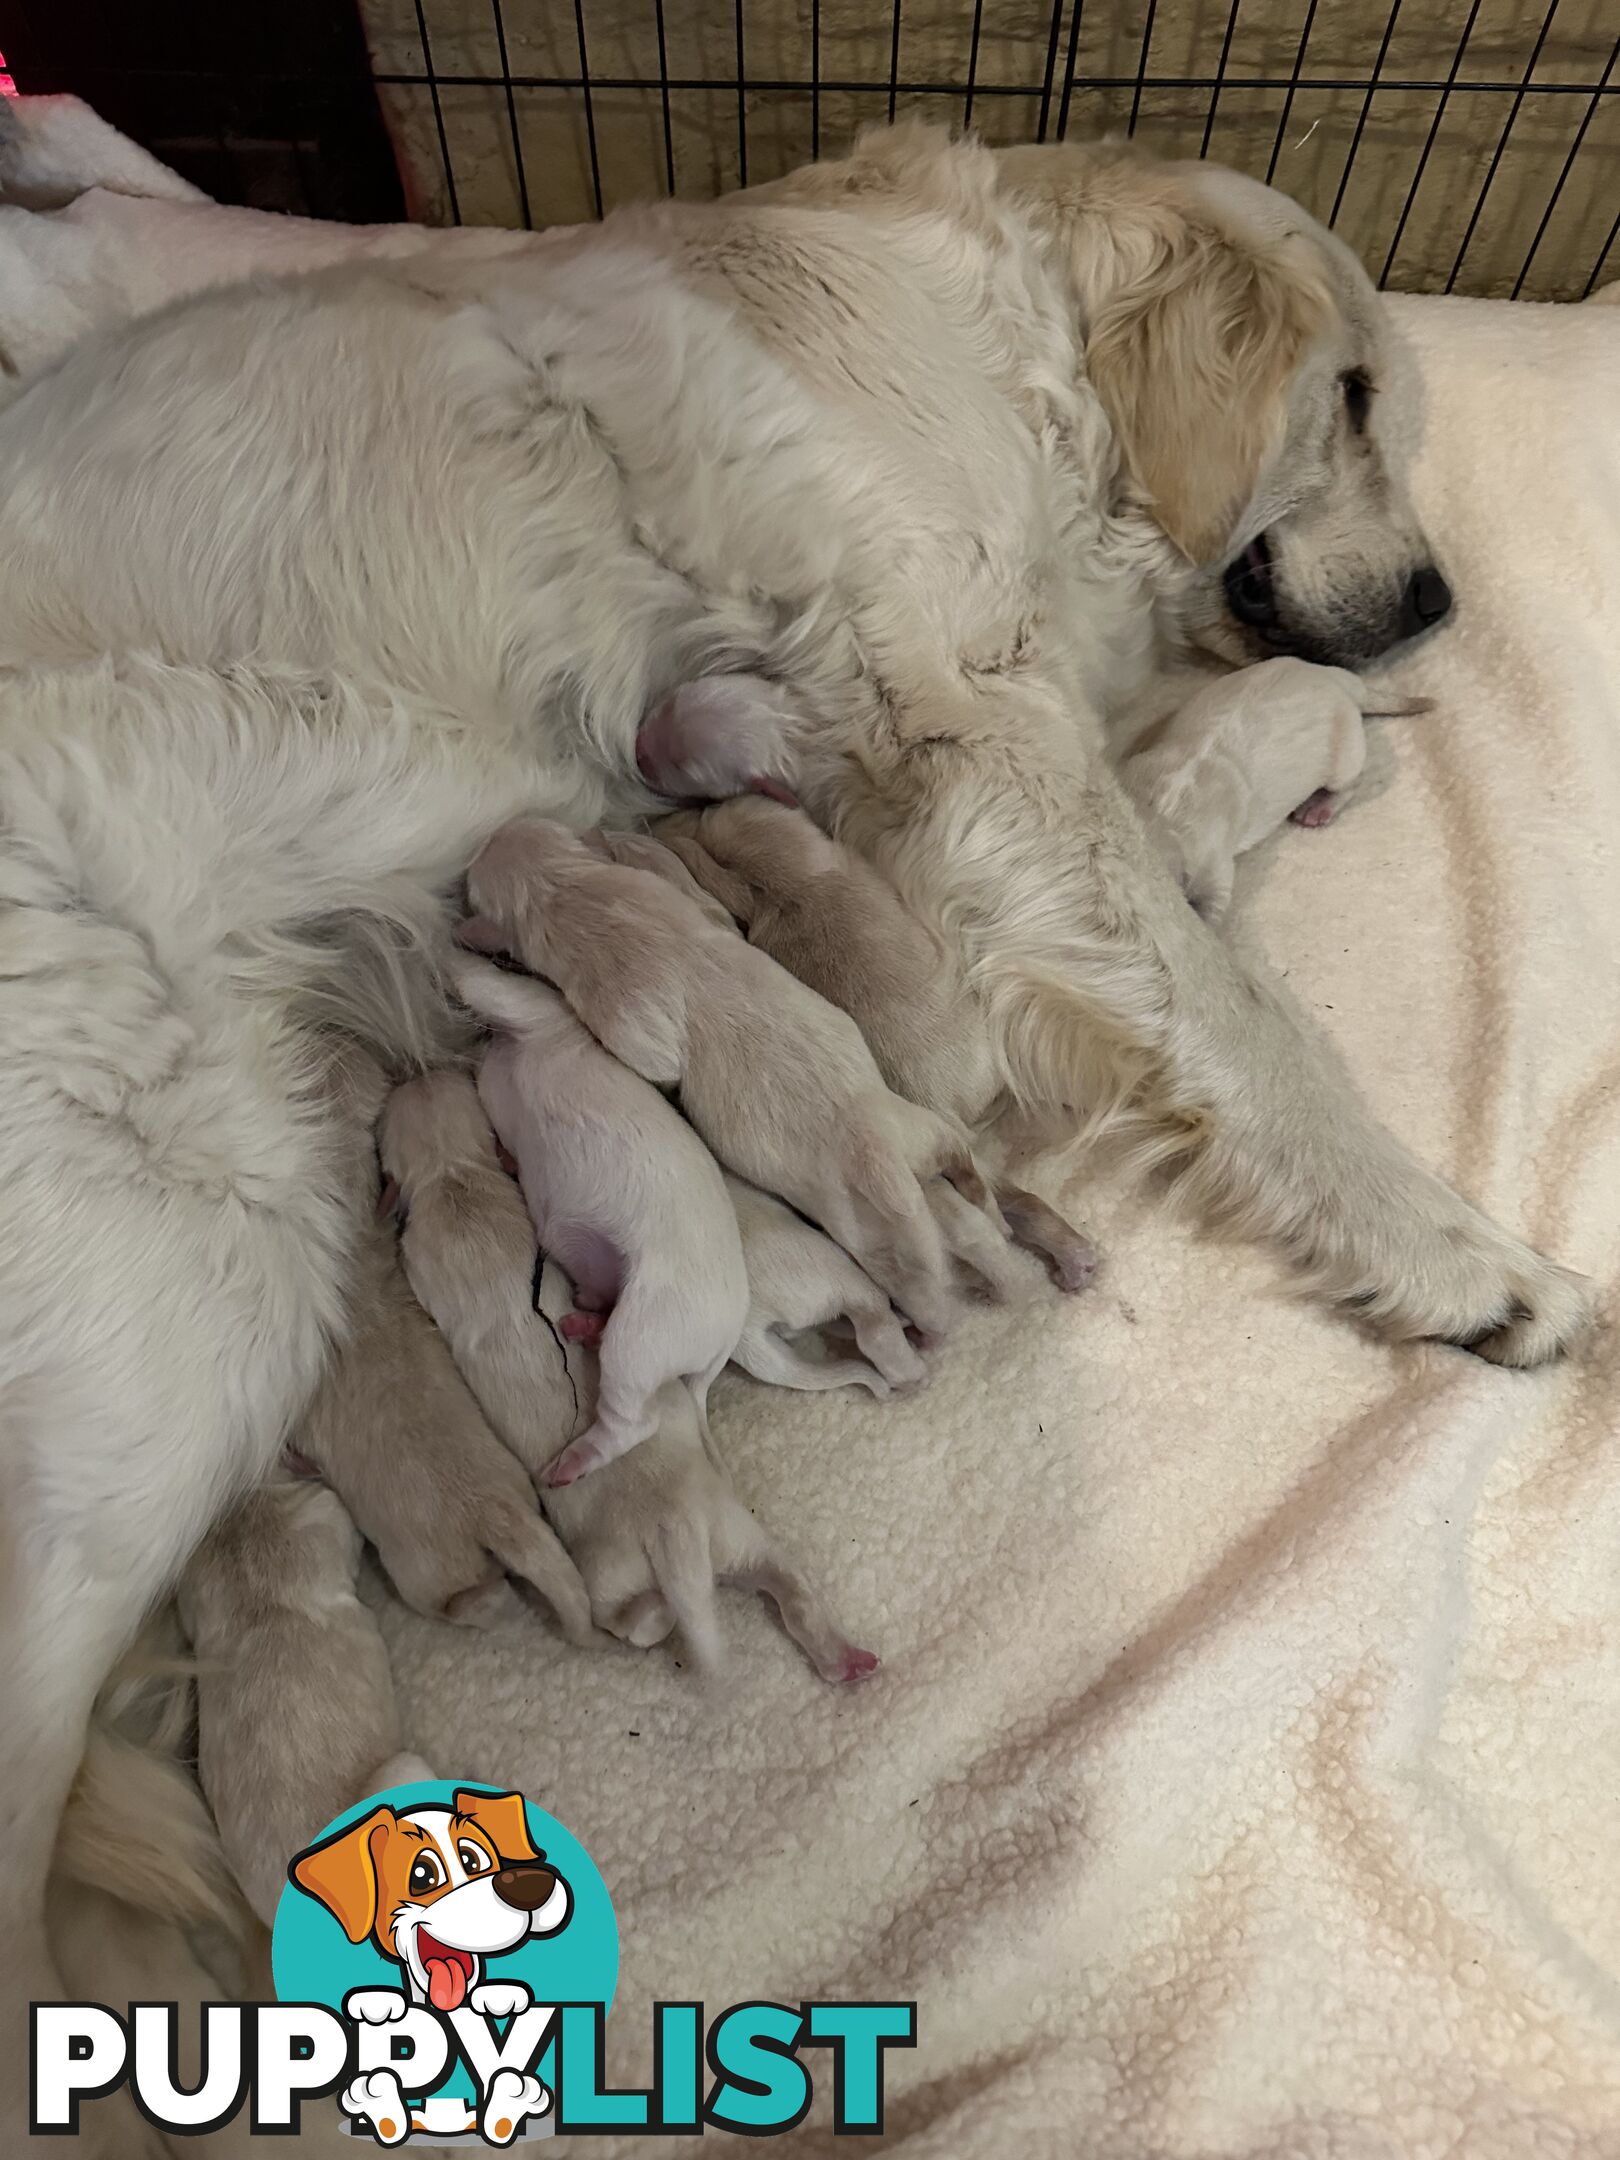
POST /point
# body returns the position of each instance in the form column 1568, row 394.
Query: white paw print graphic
column 500, row 1998
column 378, row 2099
column 511, row 2096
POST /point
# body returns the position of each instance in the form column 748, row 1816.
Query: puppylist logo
column 444, row 1960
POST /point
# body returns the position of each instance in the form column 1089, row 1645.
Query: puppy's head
column 1261, row 411
column 432, row 1125
column 511, row 871
column 438, row 1889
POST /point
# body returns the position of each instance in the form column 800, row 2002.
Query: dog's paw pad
column 855, row 1666
column 512, row 2097
column 1318, row 809
column 374, row 2006
column 500, row 1998
column 377, row 2099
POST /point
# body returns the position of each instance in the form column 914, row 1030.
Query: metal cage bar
column 1467, row 229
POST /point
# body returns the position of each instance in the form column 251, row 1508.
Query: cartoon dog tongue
column 447, row 1982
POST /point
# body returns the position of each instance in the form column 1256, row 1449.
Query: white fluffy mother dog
column 305, row 586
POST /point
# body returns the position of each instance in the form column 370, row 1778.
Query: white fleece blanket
column 1243, row 1776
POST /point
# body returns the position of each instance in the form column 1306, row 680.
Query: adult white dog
column 305, row 586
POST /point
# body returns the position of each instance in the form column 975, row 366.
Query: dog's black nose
column 524, row 1888
column 1426, row 601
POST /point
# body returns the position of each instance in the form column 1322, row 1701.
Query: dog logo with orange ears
column 439, row 1890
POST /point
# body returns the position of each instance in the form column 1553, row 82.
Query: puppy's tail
column 684, row 1571
column 528, row 1546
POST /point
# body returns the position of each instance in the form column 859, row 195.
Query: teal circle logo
column 444, row 1921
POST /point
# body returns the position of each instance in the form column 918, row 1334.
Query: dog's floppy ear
column 502, row 1819
column 1192, row 354
column 341, row 1874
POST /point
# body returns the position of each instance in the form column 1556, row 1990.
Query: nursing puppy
column 837, row 923
column 777, row 1081
column 654, row 1532
column 1283, row 739
column 642, row 851
column 798, row 1280
column 469, row 1251
column 296, row 1717
column 627, row 1198
column 396, row 1433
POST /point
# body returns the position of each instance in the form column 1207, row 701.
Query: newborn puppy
column 1284, row 738
column 395, row 1432
column 779, row 1083
column 835, row 922
column 721, row 735
column 470, row 1254
column 655, row 1531
column 295, row 1704
column 643, row 852
column 798, row 1279
column 624, row 1195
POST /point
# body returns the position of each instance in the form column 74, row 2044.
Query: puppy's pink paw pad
column 857, row 1665
column 586, row 1327
column 1318, row 809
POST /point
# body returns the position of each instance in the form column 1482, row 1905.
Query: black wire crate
column 1468, row 146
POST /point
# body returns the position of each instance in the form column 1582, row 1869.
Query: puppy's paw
column 512, row 2097
column 375, row 2006
column 1320, row 808
column 378, row 2099
column 500, row 1998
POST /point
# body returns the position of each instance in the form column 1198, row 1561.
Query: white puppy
column 655, row 1530
column 396, row 1433
column 798, row 1279
column 778, row 1082
column 470, row 1254
column 295, row 1704
column 626, row 1196
column 1283, row 739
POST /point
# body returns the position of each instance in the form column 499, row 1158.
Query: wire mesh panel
column 1458, row 145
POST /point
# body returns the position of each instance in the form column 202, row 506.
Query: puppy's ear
column 1192, row 355
column 502, row 1819
column 342, row 1873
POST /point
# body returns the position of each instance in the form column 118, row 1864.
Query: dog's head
column 439, row 1889
column 1261, row 412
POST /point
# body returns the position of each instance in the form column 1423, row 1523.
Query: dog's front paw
column 1456, row 1278
column 379, row 2100
column 500, row 1998
column 375, row 2006
column 1543, row 1308
column 512, row 2096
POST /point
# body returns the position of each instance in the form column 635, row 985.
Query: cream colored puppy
column 1283, row 739
column 470, row 1256
column 797, row 1280
column 656, row 1530
column 625, row 1195
column 296, row 1717
column 395, row 1431
column 778, row 1082
column 833, row 920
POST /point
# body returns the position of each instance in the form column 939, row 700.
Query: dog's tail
column 526, row 1545
column 136, row 1826
column 684, row 1571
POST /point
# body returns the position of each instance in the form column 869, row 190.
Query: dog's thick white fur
column 953, row 444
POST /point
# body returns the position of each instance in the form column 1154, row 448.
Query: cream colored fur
column 840, row 432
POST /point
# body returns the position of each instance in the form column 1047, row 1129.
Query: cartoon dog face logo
column 438, row 1889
